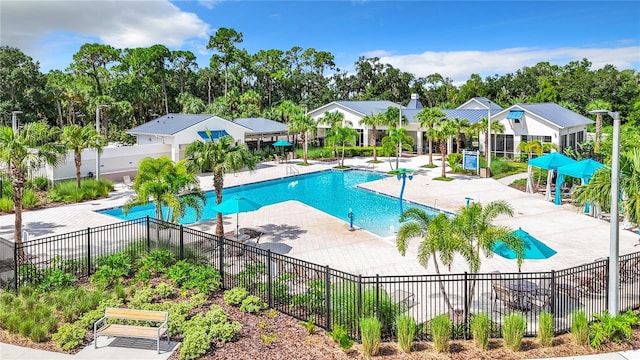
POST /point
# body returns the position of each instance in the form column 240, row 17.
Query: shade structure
column 282, row 143
column 534, row 248
column 237, row 204
column 583, row 169
column 551, row 162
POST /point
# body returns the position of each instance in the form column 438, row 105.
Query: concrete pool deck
column 297, row 230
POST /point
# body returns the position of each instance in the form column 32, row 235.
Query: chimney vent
column 414, row 96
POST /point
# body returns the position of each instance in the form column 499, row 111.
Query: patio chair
column 511, row 298
column 541, row 299
column 277, row 158
column 126, row 180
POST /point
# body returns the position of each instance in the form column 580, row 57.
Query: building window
column 563, row 142
column 503, row 145
column 542, row 138
column 580, row 137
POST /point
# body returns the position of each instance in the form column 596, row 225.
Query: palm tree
column 333, row 119
column 221, row 156
column 437, row 241
column 374, row 121
column 475, row 229
column 76, row 139
column 169, row 185
column 531, row 147
column 460, row 125
column 598, row 104
column 22, row 151
column 428, row 117
column 342, row 136
column 598, row 190
column 303, row 124
column 442, row 131
column 394, row 139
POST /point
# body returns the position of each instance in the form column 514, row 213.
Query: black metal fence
column 328, row 296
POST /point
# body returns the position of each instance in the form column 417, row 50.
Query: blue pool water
column 333, row 192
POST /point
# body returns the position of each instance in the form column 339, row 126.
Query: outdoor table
column 524, row 291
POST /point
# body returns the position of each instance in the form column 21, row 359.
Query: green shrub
column 340, row 335
column 370, row 335
column 513, row 329
column 252, row 304
column 39, row 183
column 225, row 332
column 67, row 191
column 69, row 336
column 545, row 328
column 164, row 290
column 29, row 199
column 580, row 327
column 87, row 320
column 612, row 328
column 55, row 279
column 196, row 342
column 6, row 204
column 250, row 275
column 157, row 261
column 309, row 325
column 441, row 332
column 480, row 330
column 313, row 299
column 112, row 269
column 142, row 296
column 406, row 327
column 235, row 296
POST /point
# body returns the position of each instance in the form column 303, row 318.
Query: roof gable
column 480, row 103
column 170, row 124
column 554, row 114
column 368, row 107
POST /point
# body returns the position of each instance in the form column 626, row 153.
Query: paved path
column 109, row 349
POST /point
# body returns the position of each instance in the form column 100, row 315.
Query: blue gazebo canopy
column 551, row 161
column 582, row 170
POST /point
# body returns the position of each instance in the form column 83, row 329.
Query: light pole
column 14, row 120
column 614, row 237
column 98, row 131
column 399, row 138
column 489, row 132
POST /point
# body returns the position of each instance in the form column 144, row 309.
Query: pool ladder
column 292, row 170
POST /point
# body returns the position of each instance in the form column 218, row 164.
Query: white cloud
column 118, row 23
column 378, row 53
column 459, row 65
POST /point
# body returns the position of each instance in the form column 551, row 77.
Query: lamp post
column 399, row 138
column 614, row 237
column 14, row 120
column 98, row 131
column 489, row 132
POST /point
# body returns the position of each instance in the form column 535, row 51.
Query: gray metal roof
column 486, row 102
column 414, row 104
column 558, row 115
column 368, row 107
column 169, row 124
column 473, row 115
column 262, row 125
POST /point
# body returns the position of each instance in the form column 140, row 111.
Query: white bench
column 103, row 328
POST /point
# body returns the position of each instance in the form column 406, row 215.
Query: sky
column 452, row 38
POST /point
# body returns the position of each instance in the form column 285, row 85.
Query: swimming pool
column 333, row 192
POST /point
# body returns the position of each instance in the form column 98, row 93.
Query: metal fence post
column 327, row 298
column 359, row 303
column 88, row 251
column 270, row 280
column 148, row 234
column 181, row 242
column 15, row 266
column 377, row 307
column 552, row 300
column 466, row 305
column 606, row 298
column 221, row 259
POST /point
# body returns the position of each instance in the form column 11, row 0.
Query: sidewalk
column 109, row 349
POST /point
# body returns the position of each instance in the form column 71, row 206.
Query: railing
column 329, row 296
column 292, row 170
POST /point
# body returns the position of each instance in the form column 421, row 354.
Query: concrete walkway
column 109, row 349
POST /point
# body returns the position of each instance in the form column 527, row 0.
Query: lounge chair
column 126, row 180
column 277, row 158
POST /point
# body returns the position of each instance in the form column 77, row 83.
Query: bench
column 103, row 328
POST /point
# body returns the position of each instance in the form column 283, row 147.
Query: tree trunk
column 443, row 291
column 18, row 183
column 218, row 183
column 430, row 152
column 59, row 107
column 304, row 147
column 375, row 138
column 596, row 147
column 77, row 157
column 443, row 153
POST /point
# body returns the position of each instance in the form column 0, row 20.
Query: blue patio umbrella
column 237, row 204
column 583, row 169
column 533, row 248
column 281, row 142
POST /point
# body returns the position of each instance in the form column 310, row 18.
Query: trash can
column 485, row 172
